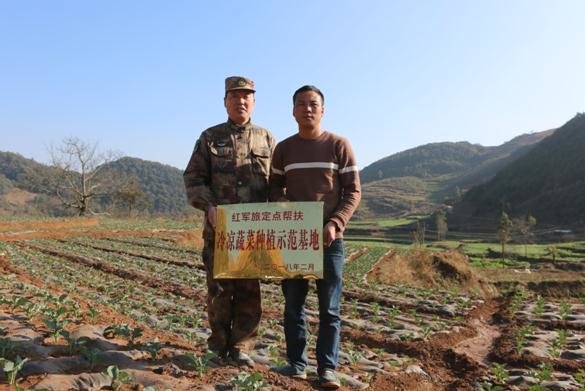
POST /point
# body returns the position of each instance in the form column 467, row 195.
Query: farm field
column 101, row 304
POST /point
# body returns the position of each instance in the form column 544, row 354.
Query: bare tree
column 504, row 231
column 418, row 235
column 80, row 173
column 441, row 224
column 524, row 227
column 130, row 195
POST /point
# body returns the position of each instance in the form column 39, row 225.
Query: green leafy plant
column 517, row 301
column 499, row 372
column 124, row 331
column 354, row 356
column 564, row 310
column 279, row 362
column 539, row 305
column 418, row 319
column 353, row 312
column 544, row 373
column 580, row 378
column 74, row 345
column 93, row 356
column 93, row 313
column 201, row 363
column 406, row 337
column 520, row 338
column 152, row 348
column 562, row 335
column 488, row 386
column 56, row 328
column 11, row 368
column 118, row 377
column 558, row 343
column 272, row 350
column 248, row 381
column 393, row 312
column 18, row 302
column 426, row 332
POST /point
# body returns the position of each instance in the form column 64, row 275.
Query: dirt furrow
column 177, row 289
column 157, row 246
column 138, row 255
column 454, row 360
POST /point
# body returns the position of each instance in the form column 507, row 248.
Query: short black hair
column 309, row 88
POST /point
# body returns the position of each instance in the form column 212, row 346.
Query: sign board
column 269, row 240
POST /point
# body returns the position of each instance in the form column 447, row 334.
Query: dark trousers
column 234, row 310
column 295, row 324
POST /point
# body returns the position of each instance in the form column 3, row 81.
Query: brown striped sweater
column 321, row 169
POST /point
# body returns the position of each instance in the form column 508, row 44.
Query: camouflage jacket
column 230, row 164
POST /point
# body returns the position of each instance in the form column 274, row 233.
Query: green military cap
column 238, row 83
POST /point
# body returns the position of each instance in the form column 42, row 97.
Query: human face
column 308, row 109
column 239, row 105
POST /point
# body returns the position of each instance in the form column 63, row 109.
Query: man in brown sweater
column 316, row 165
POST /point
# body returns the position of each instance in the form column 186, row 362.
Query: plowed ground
column 88, row 280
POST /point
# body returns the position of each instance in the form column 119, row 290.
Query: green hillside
column 26, row 187
column 444, row 172
column 162, row 184
column 430, row 160
column 547, row 182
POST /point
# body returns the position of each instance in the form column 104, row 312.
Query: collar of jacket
column 239, row 128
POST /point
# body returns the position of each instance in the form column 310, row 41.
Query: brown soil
column 547, row 280
column 453, row 360
column 425, row 269
column 177, row 289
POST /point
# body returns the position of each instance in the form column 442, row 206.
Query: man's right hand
column 212, row 216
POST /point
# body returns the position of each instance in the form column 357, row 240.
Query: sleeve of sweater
column 349, row 180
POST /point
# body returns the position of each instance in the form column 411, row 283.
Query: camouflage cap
column 238, row 83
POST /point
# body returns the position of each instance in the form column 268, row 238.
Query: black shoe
column 242, row 358
column 215, row 356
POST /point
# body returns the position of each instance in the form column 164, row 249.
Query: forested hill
column 162, row 184
column 26, row 187
column 429, row 160
column 446, row 158
column 547, row 182
column 20, row 172
column 418, row 179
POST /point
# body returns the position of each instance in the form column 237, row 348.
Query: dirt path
column 478, row 347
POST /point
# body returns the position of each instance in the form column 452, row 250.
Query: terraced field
column 120, row 305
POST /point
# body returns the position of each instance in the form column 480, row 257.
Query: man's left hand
column 329, row 233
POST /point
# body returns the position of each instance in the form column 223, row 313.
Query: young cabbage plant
column 93, row 356
column 152, row 349
column 248, row 381
column 11, row 368
column 56, row 328
column 93, row 313
column 118, row 377
column 201, row 363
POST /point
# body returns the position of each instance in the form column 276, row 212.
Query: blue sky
column 146, row 77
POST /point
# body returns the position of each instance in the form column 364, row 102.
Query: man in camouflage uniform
column 229, row 165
